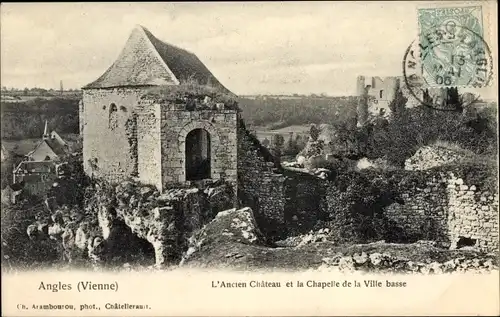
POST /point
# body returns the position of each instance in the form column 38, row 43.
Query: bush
column 18, row 251
column 409, row 129
column 360, row 199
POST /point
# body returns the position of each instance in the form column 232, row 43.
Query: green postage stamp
column 453, row 49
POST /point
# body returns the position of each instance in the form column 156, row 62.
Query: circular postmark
column 443, row 59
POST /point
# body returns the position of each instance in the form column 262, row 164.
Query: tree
column 278, row 141
column 300, row 141
column 265, row 142
column 277, row 144
column 291, row 145
column 398, row 104
column 454, row 99
column 314, row 132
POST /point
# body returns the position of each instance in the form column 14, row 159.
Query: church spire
column 46, row 131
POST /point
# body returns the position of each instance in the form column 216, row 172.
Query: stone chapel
column 160, row 116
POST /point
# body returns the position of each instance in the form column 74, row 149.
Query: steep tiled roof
column 58, row 148
column 147, row 61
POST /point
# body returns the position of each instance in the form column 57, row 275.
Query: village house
column 36, row 174
column 52, row 147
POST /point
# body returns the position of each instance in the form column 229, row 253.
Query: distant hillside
column 21, row 120
column 282, row 111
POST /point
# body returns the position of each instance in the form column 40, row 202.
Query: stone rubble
column 321, row 235
column 385, row 262
column 431, row 156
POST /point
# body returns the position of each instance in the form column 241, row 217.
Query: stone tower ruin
column 160, row 116
column 376, row 93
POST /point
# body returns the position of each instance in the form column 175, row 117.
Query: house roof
column 57, row 138
column 147, row 61
column 54, row 144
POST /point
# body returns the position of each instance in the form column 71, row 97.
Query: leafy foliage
column 410, row 128
column 359, row 199
column 18, row 251
column 280, row 112
column 27, row 119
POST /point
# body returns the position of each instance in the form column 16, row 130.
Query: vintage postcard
column 249, row 158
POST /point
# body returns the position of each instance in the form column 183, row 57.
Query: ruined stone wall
column 107, row 150
column 423, row 215
column 446, row 210
column 175, row 126
column 362, row 105
column 148, row 139
column 81, row 116
column 260, row 185
column 305, row 203
column 284, row 202
column 377, row 93
column 380, row 94
column 473, row 214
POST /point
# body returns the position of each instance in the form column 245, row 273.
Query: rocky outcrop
column 130, row 222
column 167, row 220
column 233, row 226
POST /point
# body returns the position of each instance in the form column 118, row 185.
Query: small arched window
column 381, row 94
column 112, row 117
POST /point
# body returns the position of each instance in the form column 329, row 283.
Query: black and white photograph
column 326, row 137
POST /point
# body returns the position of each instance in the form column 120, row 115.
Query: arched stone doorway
column 198, row 155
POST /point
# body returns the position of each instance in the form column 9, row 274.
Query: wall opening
column 113, row 117
column 123, row 246
column 465, row 242
column 198, row 158
column 381, row 94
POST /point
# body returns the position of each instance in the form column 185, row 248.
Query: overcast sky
column 252, row 48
